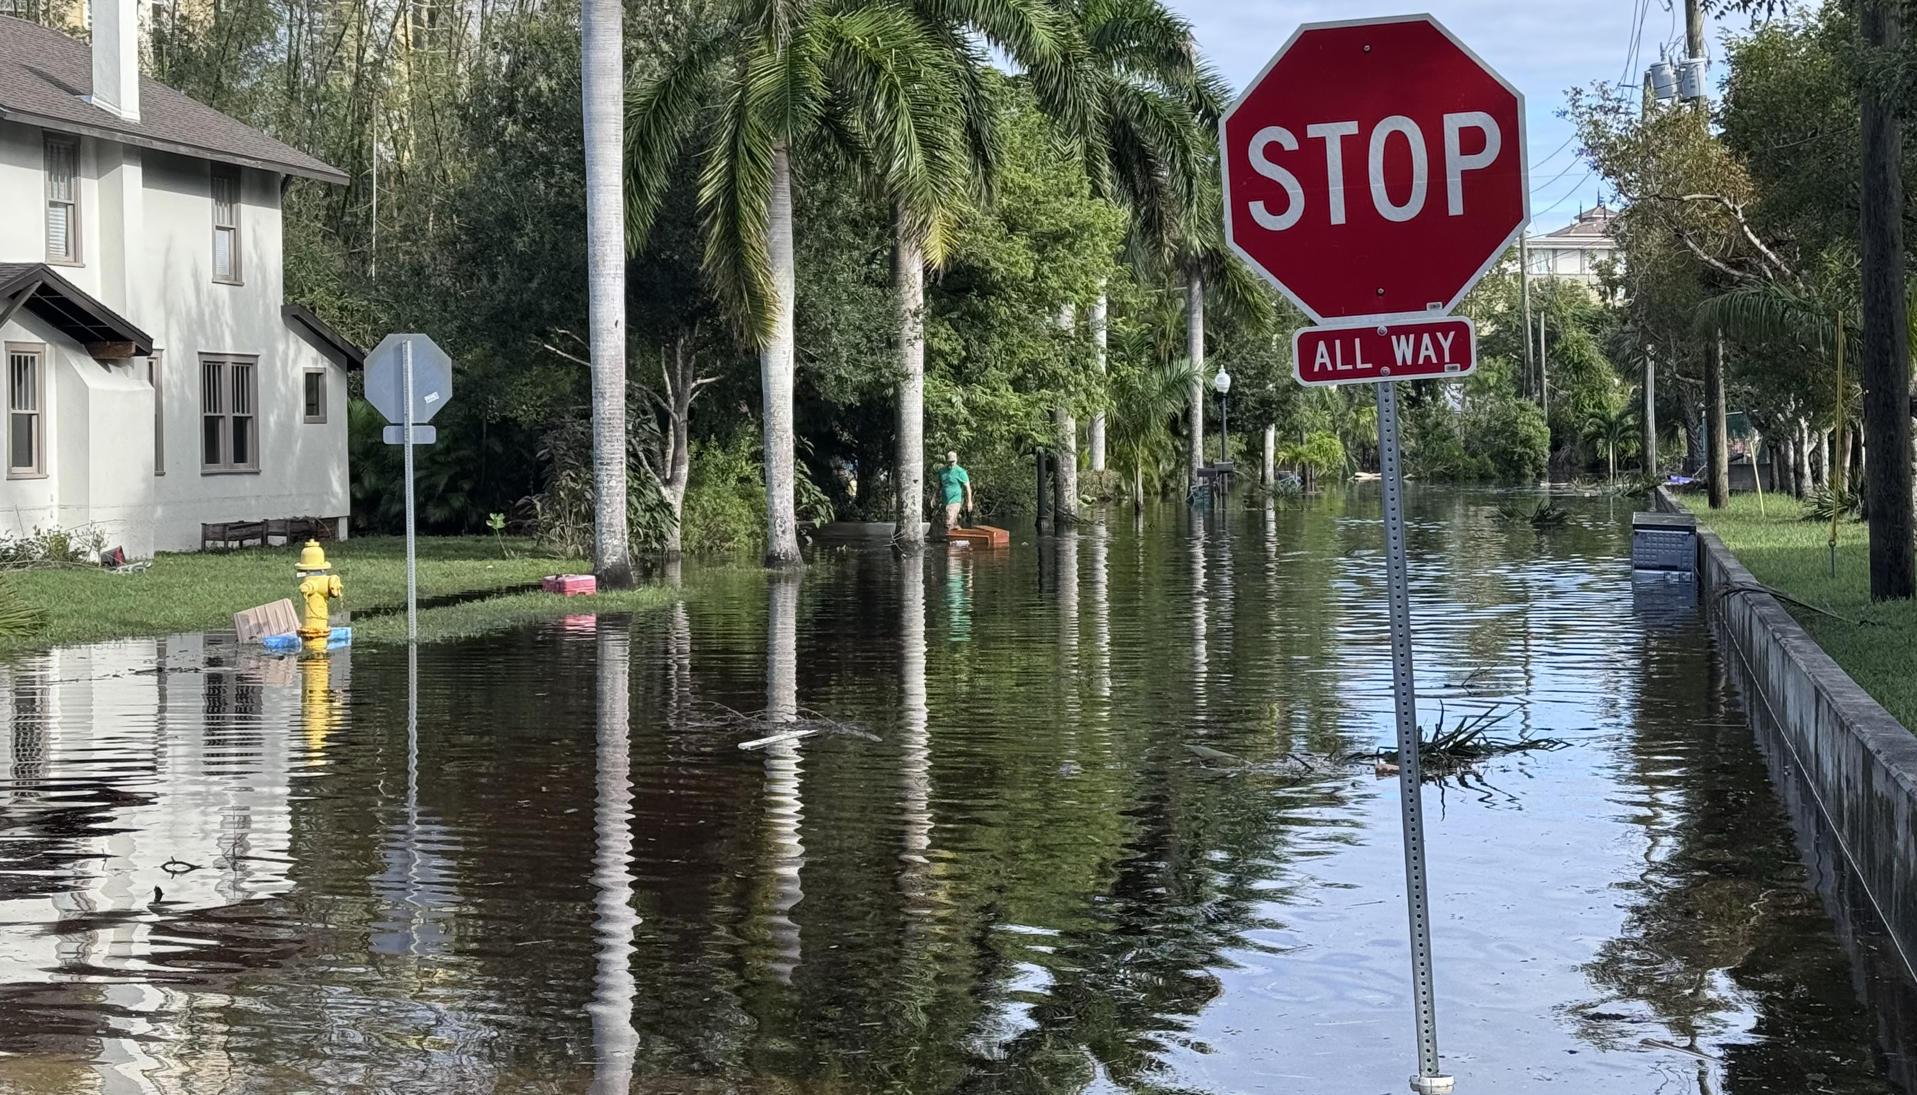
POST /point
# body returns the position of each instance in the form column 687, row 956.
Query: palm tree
column 602, row 63
column 924, row 120
column 1145, row 400
column 1145, row 117
column 1610, row 428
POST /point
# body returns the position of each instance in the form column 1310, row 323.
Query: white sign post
column 408, row 379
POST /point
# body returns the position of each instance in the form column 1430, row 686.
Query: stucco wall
column 1858, row 762
column 164, row 285
column 302, row 465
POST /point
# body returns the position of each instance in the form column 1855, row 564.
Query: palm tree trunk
column 1065, row 476
column 1719, row 476
column 602, row 54
column 1886, row 366
column 1269, row 469
column 1065, row 423
column 1195, row 353
column 908, row 276
column 1647, row 421
column 1823, row 459
column 1138, row 486
column 775, row 373
column 1801, row 470
column 1101, row 314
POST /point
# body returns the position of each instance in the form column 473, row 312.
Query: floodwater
column 999, row 867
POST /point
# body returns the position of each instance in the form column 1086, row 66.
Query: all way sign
column 1444, row 347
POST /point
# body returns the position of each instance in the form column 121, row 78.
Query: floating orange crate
column 984, row 536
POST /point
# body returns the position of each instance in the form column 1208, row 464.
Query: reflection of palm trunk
column 1068, row 619
column 784, row 807
column 614, row 1040
column 914, row 748
column 1101, row 615
column 1199, row 652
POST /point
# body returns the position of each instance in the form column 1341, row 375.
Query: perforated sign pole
column 412, row 558
column 1428, row 1081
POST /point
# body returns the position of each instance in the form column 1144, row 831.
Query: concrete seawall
column 1858, row 763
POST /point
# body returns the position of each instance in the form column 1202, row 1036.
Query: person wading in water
column 955, row 490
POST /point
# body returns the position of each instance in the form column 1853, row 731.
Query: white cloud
column 1543, row 46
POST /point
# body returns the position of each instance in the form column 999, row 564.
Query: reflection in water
column 784, row 808
column 1195, row 539
column 958, row 597
column 418, row 883
column 914, row 748
column 1099, row 538
column 614, row 1040
column 588, row 884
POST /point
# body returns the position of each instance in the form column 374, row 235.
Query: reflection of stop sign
column 1375, row 168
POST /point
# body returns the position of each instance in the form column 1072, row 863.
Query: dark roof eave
column 40, row 278
column 351, row 355
column 107, row 133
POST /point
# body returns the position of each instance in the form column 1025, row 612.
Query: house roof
column 1592, row 225
column 44, row 79
column 36, row 287
column 322, row 335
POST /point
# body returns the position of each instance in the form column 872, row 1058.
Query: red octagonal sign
column 1375, row 169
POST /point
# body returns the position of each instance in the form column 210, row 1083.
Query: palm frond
column 908, row 93
column 735, row 193
column 1768, row 312
column 660, row 117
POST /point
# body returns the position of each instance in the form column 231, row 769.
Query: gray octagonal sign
column 386, row 377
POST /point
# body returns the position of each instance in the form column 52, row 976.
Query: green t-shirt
column 952, row 483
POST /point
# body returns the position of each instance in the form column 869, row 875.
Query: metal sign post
column 1429, row 1080
column 1378, row 268
column 408, row 379
column 412, row 558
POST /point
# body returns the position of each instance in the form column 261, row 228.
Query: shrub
column 52, row 545
column 725, row 499
column 562, row 513
column 1507, row 441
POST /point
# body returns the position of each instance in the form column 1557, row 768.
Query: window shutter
column 59, row 230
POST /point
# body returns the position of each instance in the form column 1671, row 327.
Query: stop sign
column 1375, row 169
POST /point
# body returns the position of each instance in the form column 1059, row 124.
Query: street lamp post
column 1222, row 385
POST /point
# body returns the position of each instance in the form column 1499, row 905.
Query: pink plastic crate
column 571, row 585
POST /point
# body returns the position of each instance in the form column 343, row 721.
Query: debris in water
column 1466, row 745
column 772, row 727
column 1542, row 516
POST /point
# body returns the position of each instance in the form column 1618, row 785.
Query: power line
column 1536, row 213
column 1567, row 170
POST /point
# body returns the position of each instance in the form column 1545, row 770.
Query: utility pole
column 1694, row 28
column 1885, row 368
column 1716, row 413
column 1524, row 298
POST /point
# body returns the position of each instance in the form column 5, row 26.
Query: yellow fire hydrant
column 318, row 586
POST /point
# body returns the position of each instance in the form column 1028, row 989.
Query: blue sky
column 1542, row 46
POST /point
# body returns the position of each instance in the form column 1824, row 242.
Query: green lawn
column 193, row 592
column 1791, row 555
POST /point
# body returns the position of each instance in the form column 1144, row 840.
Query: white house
column 1578, row 251
column 155, row 377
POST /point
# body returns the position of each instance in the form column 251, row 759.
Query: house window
column 26, row 422
column 63, row 199
column 226, row 224
column 159, row 412
column 229, row 424
column 314, row 393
